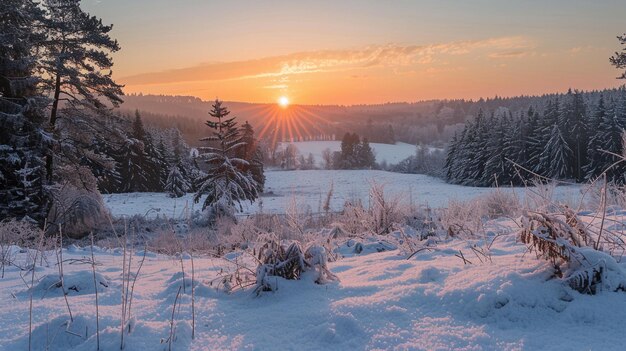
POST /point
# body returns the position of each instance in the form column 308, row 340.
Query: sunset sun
column 283, row 101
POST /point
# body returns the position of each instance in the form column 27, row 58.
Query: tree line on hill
column 576, row 136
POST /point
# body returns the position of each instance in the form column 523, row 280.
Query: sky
column 362, row 52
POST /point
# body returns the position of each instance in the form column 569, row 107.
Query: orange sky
column 361, row 51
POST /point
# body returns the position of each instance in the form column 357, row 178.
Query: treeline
column 145, row 161
column 575, row 136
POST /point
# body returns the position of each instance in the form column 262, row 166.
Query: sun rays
column 290, row 124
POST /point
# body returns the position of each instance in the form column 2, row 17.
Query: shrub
column 289, row 262
column 563, row 242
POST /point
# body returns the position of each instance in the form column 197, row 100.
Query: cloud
column 390, row 55
column 508, row 54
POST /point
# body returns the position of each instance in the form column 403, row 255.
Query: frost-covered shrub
column 14, row 233
column 615, row 195
column 289, row 262
column 381, row 217
column 77, row 206
column 500, row 203
column 462, row 218
column 165, row 242
column 564, row 242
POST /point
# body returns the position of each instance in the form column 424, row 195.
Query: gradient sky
column 350, row 52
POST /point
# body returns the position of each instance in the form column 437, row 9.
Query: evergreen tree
column 610, row 142
column 451, row 156
column 495, row 166
column 619, row 59
column 574, row 125
column 594, row 168
column 75, row 63
column 225, row 185
column 365, row 155
column 22, row 139
column 134, row 168
column 476, row 144
column 251, row 152
column 556, row 155
column 176, row 185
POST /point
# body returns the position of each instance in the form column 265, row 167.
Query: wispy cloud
column 390, row 55
column 508, row 54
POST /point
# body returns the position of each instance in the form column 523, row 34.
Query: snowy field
column 383, row 301
column 393, row 154
column 308, row 189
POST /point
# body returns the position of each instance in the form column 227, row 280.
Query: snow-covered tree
column 77, row 69
column 365, row 155
column 225, row 185
column 176, row 185
column 22, row 138
column 251, row 152
column 556, row 155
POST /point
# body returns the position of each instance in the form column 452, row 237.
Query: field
column 382, row 301
column 308, row 190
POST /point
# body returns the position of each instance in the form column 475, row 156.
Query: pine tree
column 495, row 167
column 225, row 185
column 75, row 64
column 476, row 155
column 134, row 169
column 610, row 142
column 451, row 155
column 349, row 148
column 251, row 152
column 619, row 59
column 556, row 155
column 365, row 155
column 22, row 138
column 594, row 167
column 576, row 135
column 176, row 185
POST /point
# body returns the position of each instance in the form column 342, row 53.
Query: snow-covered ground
column 383, row 301
column 309, row 189
column 391, row 153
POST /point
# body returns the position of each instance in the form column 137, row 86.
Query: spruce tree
column 22, row 138
column 556, row 155
column 251, row 152
column 594, row 167
column 365, row 155
column 134, row 166
column 176, row 185
column 225, row 185
column 610, row 142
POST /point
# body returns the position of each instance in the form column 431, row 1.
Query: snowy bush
column 462, row 218
column 500, row 204
column 564, row 242
column 289, row 262
column 77, row 206
column 13, row 235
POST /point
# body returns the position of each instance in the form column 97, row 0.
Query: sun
column 283, row 101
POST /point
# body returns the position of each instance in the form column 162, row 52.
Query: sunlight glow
column 283, row 101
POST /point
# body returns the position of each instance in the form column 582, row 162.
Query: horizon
column 362, row 53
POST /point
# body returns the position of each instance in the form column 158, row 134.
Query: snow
column 383, row 301
column 308, row 189
column 392, row 153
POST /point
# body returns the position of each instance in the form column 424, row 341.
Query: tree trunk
column 52, row 122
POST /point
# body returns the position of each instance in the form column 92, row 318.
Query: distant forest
column 433, row 122
column 575, row 136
